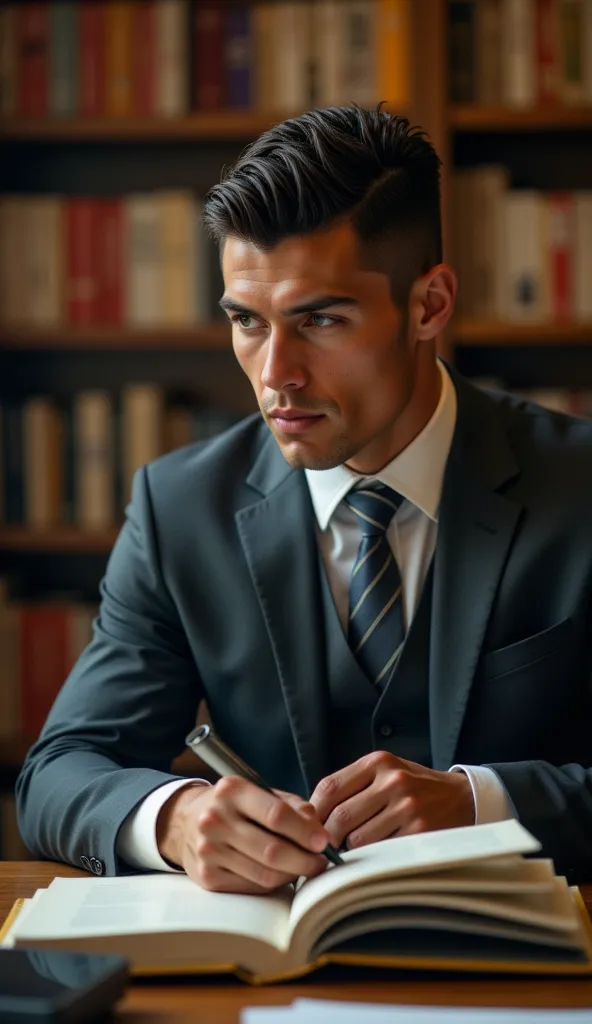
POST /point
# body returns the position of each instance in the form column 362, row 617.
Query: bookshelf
column 545, row 145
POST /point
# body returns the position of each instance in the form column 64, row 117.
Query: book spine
column 561, row 255
column 291, row 85
column 43, row 658
column 518, row 53
column 209, row 56
column 33, row 59
column 144, row 55
column 43, row 463
column 172, row 58
column 264, row 55
column 118, row 58
column 238, row 57
column 178, row 258
column 204, row 267
column 394, row 52
column 583, row 255
column 91, row 66
column 488, row 55
column 111, row 263
column 81, row 260
column 525, row 256
column 462, row 43
column 142, row 434
column 12, row 258
column 63, row 78
column 93, row 460
column 571, row 31
column 8, row 61
column 359, row 52
column 13, row 464
column 143, row 233
column 547, row 36
column 44, row 274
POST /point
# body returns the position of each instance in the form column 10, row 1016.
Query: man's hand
column 235, row 837
column 382, row 795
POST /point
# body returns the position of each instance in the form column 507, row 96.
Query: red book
column 43, row 660
column 208, row 88
column 144, row 58
column 547, row 53
column 111, row 263
column 91, row 69
column 561, row 255
column 33, row 59
column 82, row 221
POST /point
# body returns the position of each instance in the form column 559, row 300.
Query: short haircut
column 331, row 164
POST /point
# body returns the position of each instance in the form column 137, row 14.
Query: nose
column 283, row 367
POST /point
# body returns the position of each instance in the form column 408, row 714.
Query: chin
column 301, row 456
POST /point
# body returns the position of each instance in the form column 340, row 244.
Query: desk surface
column 203, row 1003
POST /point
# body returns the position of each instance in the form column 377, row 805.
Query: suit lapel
column 475, row 531
column 277, row 534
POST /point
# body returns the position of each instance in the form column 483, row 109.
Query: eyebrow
column 311, row 306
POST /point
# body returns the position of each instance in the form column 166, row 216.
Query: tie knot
column 374, row 507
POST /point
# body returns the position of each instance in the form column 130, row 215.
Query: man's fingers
column 353, row 813
column 335, row 789
column 400, row 819
column 300, row 805
column 275, row 814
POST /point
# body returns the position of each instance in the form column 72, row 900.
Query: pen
column 221, row 758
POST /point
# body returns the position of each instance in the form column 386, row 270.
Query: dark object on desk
column 223, row 760
column 38, row 986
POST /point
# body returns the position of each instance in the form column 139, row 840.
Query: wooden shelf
column 209, row 337
column 225, row 124
column 469, row 331
column 472, row 117
column 61, row 539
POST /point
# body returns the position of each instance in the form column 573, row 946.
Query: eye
column 244, row 321
column 329, row 320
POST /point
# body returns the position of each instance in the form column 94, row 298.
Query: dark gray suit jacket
column 212, row 590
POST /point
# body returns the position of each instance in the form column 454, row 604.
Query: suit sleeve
column 122, row 714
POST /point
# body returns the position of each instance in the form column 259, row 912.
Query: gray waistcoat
column 359, row 719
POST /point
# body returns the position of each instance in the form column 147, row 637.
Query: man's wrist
column 169, row 823
column 465, row 811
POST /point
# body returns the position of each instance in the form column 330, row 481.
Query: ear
column 431, row 302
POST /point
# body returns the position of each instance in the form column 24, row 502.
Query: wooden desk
column 157, row 1003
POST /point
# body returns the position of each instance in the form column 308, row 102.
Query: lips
column 293, row 421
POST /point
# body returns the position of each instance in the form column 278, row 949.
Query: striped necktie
column 376, row 630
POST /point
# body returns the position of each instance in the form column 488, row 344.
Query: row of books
column 137, row 260
column 73, row 462
column 573, row 401
column 520, row 52
column 521, row 254
column 166, row 57
column 41, row 641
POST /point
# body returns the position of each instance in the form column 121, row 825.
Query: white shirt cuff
column 136, row 842
column 489, row 794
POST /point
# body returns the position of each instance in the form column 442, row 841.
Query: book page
column 151, row 904
column 8, row 937
column 412, row 855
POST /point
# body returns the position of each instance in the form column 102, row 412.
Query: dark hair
column 302, row 174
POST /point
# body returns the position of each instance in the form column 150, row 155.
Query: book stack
column 73, row 462
column 141, row 260
column 520, row 52
column 522, row 255
column 165, row 57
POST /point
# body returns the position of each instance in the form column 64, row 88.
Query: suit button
column 85, row 863
column 96, row 866
column 386, row 729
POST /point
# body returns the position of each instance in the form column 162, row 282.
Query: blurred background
column 115, row 119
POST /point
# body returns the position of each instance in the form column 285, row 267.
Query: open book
column 461, row 898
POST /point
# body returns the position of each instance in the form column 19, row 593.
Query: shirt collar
column 416, row 473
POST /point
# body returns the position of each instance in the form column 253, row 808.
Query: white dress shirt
column 417, row 474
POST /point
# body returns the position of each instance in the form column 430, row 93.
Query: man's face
column 323, row 345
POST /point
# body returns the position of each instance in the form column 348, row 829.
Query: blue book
column 63, row 59
column 13, row 458
column 238, row 57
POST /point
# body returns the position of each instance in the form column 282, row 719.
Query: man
column 381, row 586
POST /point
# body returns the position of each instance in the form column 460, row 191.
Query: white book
column 328, row 45
column 43, row 271
column 142, row 430
column 172, row 34
column 524, row 257
column 177, row 211
column 94, row 461
column 292, row 55
column 144, row 260
column 583, row 255
column 463, row 898
column 360, row 79
column 8, row 60
column 518, row 53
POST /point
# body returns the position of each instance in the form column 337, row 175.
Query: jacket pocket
column 532, row 649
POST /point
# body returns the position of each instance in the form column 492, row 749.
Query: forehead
column 327, row 261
